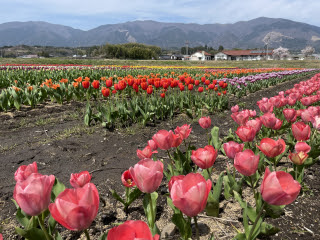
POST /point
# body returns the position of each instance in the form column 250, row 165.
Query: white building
column 200, row 56
column 244, row 55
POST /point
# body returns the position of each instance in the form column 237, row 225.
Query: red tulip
column 190, row 193
column 279, row 188
column 290, row 114
column 272, row 148
column 25, row 171
column 232, row 148
column 184, row 131
column 146, row 152
column 205, row 122
column 204, row 157
column 278, row 124
column 298, row 158
column 127, row 179
column 80, row 179
column 246, row 162
column 246, row 134
column 177, row 140
column 147, row 174
column 105, row 91
column 96, row 84
column 163, row 139
column 302, row 147
column 301, row 131
column 33, row 194
column 109, row 83
column 75, row 209
column 131, row 230
column 85, row 84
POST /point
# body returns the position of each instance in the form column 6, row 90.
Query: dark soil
column 55, row 137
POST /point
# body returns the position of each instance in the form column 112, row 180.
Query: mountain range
column 243, row 34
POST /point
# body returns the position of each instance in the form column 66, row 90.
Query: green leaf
column 212, row 207
column 134, row 195
column 215, row 138
column 250, row 210
column 240, row 236
column 117, row 197
column 268, row 229
column 274, row 211
column 32, row 234
column 57, row 188
column 182, row 224
column 103, row 236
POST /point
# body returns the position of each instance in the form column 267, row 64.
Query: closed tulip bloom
column 204, row 157
column 290, row 114
column 190, row 194
column 177, row 140
column 131, row 230
column 302, row 147
column 301, row 131
column 265, row 107
column 269, row 120
column 205, row 122
column 163, row 139
column 145, row 153
column 316, row 122
column 272, row 148
column 173, row 179
column 75, row 209
column 232, row 148
column 305, row 115
column 279, row 188
column 278, row 124
column 127, row 179
column 298, row 158
column 241, row 117
column 235, row 108
column 24, row 171
column 80, row 179
column 33, row 194
column 255, row 123
column 153, row 145
column 246, row 162
column 246, row 134
column 147, row 174
column 184, row 131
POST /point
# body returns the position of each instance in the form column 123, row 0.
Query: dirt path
column 55, row 137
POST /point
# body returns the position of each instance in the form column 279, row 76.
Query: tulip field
column 149, row 152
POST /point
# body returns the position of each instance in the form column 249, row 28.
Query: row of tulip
column 189, row 173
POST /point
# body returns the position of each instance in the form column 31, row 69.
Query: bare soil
column 55, row 137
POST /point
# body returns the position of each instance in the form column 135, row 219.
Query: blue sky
column 89, row 14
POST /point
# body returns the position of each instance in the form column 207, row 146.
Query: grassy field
column 239, row 64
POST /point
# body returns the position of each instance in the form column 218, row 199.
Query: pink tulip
column 235, row 108
column 255, row 124
column 302, row 147
column 131, row 230
column 147, row 174
column 290, row 114
column 152, row 144
column 291, row 101
column 75, row 209
column 33, row 194
column 241, row 117
column 145, row 153
column 305, row 115
column 314, row 111
column 204, row 157
column 163, row 139
column 279, row 188
column 232, row 148
column 24, row 171
column 184, row 131
column 246, row 134
column 301, row 131
column 316, row 122
column 1, row 238
column 269, row 120
column 278, row 124
column 272, row 148
column 265, row 107
column 190, row 194
column 80, row 179
column 205, row 122
column 252, row 113
column 298, row 158
column 127, row 179
column 246, row 162
column 173, row 179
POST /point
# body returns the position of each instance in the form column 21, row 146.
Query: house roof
column 247, row 52
column 205, row 53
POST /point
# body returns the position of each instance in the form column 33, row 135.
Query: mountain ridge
column 242, row 34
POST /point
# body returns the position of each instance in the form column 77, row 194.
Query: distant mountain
column 244, row 34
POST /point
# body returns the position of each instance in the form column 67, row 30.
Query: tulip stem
column 41, row 223
column 197, row 227
column 87, row 234
column 252, row 186
column 170, row 157
column 256, row 221
column 152, row 212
